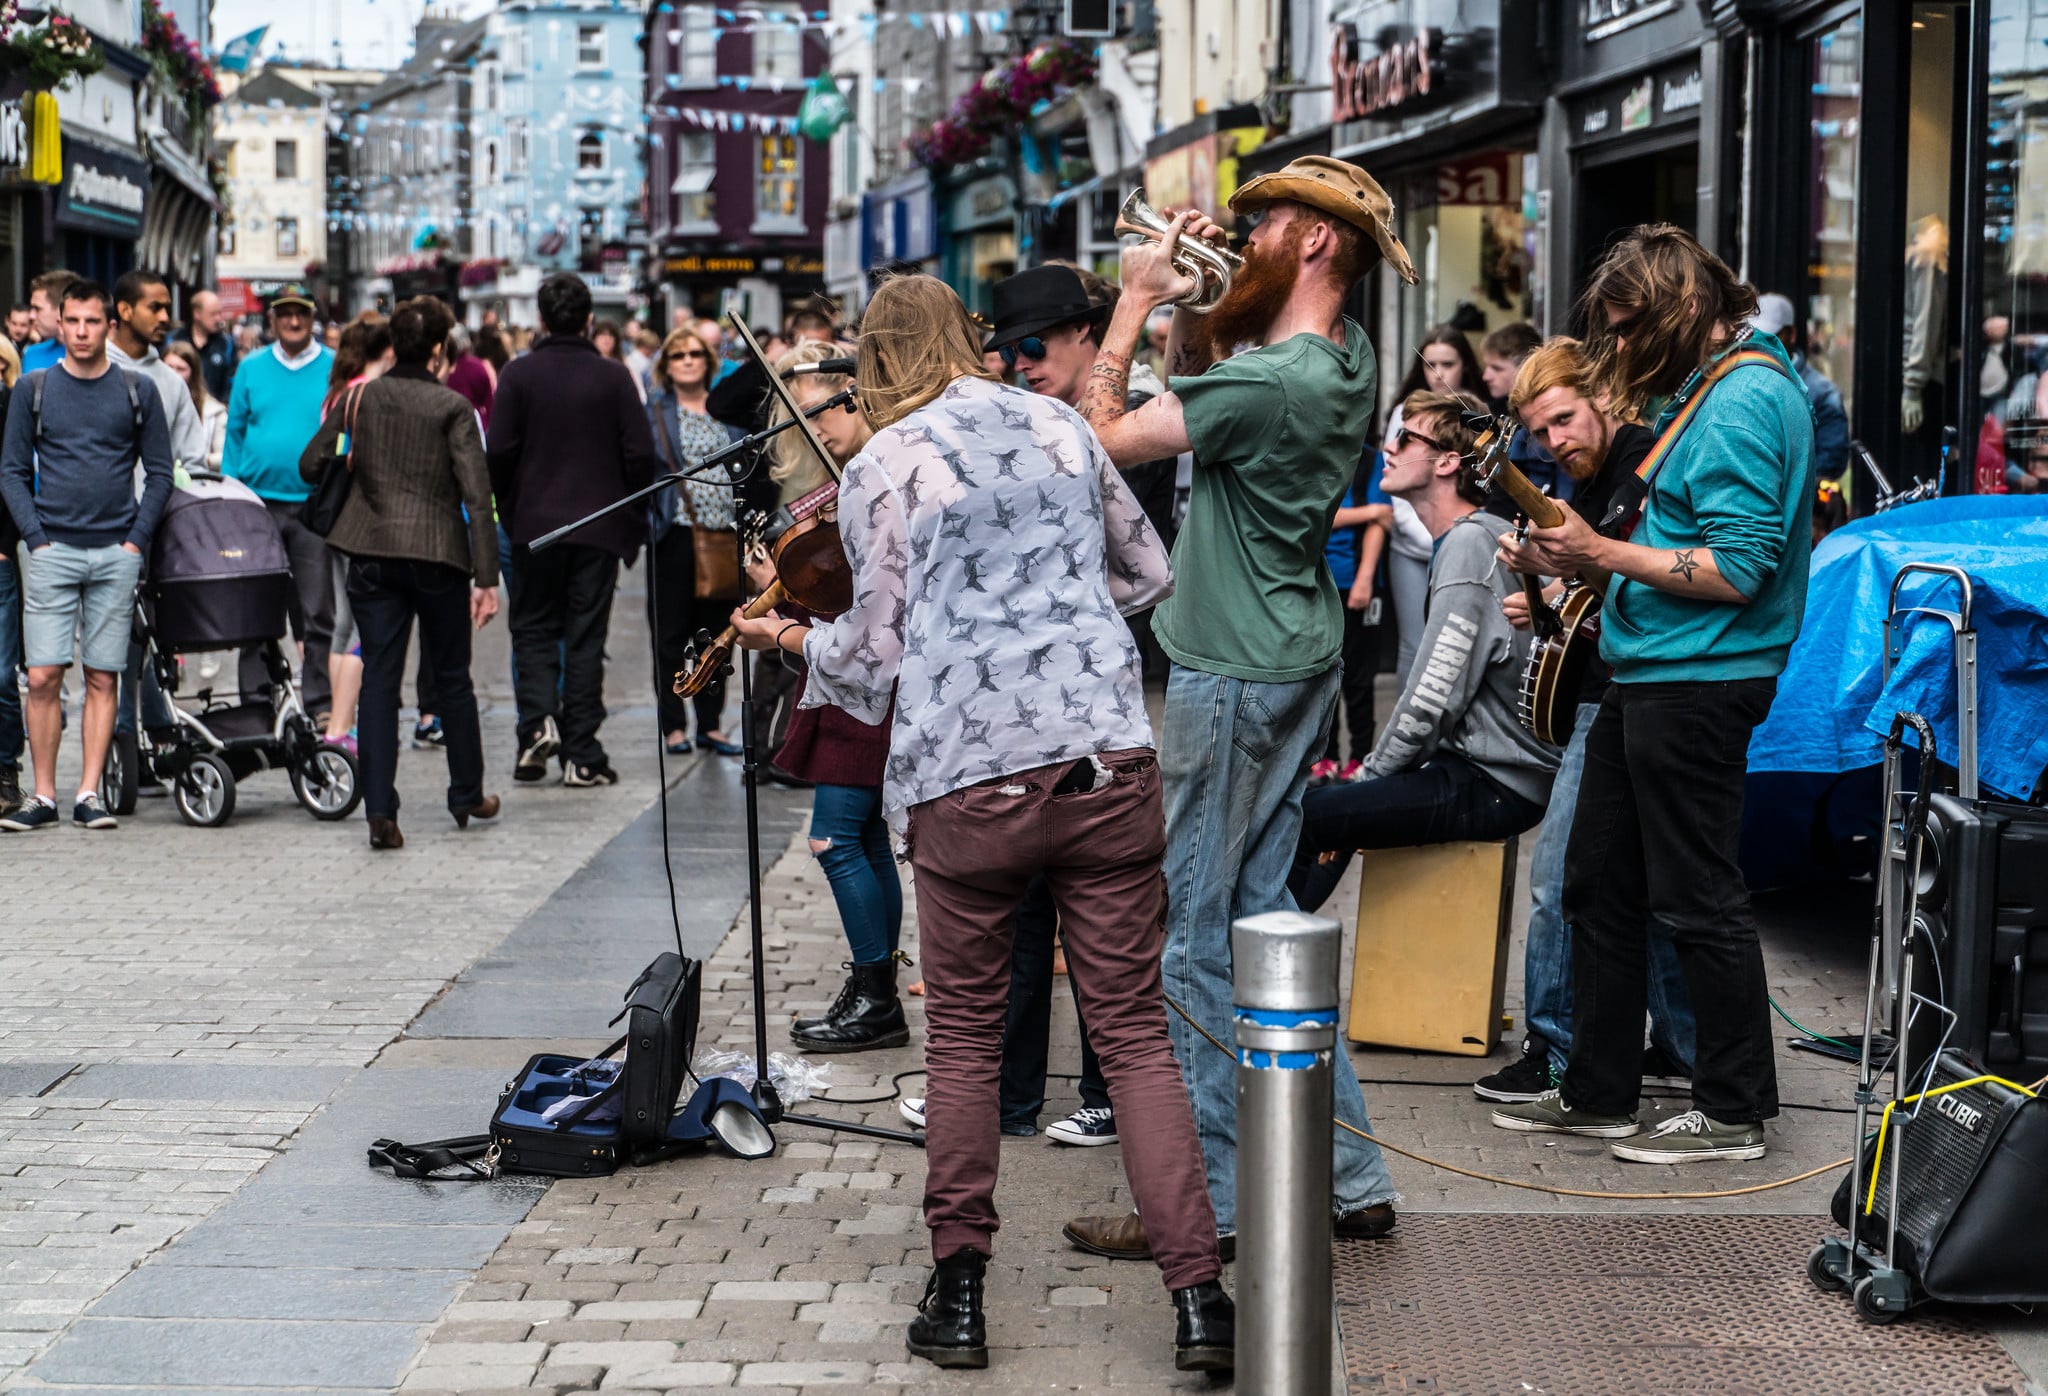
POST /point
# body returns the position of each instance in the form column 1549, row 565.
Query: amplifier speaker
column 1430, row 967
column 1984, row 908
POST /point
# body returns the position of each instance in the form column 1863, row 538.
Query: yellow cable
column 1539, row 1187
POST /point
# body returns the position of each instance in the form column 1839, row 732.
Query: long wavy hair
column 1671, row 293
column 915, row 338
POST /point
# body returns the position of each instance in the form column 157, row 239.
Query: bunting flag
column 239, row 52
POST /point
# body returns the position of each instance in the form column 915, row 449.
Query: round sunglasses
column 1029, row 347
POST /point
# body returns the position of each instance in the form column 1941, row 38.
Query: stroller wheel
column 205, row 791
column 120, row 777
column 326, row 783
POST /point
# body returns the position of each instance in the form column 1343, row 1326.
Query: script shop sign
column 1405, row 72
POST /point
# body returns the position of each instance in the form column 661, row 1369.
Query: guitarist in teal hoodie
column 1702, row 602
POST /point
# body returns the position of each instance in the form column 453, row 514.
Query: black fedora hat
column 1034, row 300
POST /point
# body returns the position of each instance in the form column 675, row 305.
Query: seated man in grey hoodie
column 1454, row 762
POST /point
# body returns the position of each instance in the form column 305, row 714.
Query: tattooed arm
column 1156, row 429
column 1573, row 548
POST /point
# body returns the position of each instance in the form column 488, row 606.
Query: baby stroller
column 219, row 579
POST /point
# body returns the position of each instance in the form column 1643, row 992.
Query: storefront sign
column 1604, row 18
column 739, row 264
column 1670, row 96
column 1403, row 74
column 102, row 192
column 1489, row 178
column 1200, row 175
column 984, row 202
column 14, row 147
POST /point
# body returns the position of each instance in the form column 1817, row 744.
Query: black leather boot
column 868, row 1016
column 949, row 1330
column 1204, row 1329
column 838, row 1005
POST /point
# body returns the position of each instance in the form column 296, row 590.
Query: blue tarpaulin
column 1834, row 704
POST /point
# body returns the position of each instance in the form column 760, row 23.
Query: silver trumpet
column 1210, row 266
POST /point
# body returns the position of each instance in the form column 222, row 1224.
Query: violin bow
column 782, row 394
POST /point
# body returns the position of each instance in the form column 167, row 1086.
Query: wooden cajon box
column 1430, row 966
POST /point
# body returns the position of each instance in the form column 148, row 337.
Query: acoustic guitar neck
column 1540, row 507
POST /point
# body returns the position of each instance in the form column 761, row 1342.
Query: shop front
column 21, row 204
column 757, row 284
column 100, row 210
column 1875, row 132
column 1441, row 102
column 980, row 237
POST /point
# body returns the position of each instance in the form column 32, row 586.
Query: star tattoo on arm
column 1683, row 565
column 1109, row 378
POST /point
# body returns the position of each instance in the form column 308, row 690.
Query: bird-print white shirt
column 995, row 552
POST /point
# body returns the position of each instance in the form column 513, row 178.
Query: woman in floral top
column 684, row 433
column 995, row 551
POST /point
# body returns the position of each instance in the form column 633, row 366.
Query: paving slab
column 355, row 1292
column 32, row 1078
column 230, row 1352
column 275, row 1084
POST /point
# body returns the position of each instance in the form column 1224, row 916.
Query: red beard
column 1258, row 292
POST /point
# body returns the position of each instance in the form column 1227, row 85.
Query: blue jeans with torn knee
column 1235, row 755
column 858, row 864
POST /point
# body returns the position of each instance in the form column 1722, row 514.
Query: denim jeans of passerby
column 1547, row 966
column 1028, row 1028
column 1655, row 836
column 1235, row 755
column 860, row 867
column 1444, row 800
column 12, row 735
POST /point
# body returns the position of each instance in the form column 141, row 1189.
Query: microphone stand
column 766, row 1098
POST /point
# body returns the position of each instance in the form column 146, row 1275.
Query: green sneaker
column 1692, row 1136
column 1548, row 1114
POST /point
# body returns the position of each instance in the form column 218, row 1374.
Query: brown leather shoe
column 384, row 834
column 486, row 808
column 1365, row 1224
column 1124, row 1238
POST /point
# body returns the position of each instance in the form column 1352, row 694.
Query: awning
column 178, row 222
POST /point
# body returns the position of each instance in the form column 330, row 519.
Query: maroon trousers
column 972, row 852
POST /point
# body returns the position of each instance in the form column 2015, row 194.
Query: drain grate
column 1677, row 1305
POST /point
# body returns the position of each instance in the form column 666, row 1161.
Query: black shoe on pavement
column 578, row 776
column 950, row 1330
column 91, row 813
column 1204, row 1329
column 32, row 815
column 1363, row 1223
column 10, row 789
column 1660, row 1068
column 869, row 1015
column 533, row 757
column 1525, row 1078
column 835, row 1009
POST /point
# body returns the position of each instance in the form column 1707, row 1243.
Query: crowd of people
column 1034, row 518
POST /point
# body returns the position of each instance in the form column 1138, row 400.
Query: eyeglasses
column 1408, row 434
column 1029, row 347
column 689, row 354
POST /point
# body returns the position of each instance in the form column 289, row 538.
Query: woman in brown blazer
column 418, row 463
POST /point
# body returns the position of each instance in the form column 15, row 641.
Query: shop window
column 590, row 151
column 697, row 53
column 590, row 46
column 287, row 237
column 519, row 146
column 778, row 45
column 696, row 165
column 287, row 160
column 2011, row 433
column 1835, row 128
column 1927, row 399
column 779, row 186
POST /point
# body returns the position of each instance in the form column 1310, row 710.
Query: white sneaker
column 911, row 1108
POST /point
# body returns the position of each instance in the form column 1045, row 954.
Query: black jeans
column 387, row 594
column 311, row 611
column 560, row 615
column 675, row 613
column 1028, row 1023
column 1444, row 800
column 1654, row 839
column 1361, row 667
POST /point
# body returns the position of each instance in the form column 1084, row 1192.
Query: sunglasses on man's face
column 1408, row 434
column 1029, row 347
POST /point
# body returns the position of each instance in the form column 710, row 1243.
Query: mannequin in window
column 1926, row 356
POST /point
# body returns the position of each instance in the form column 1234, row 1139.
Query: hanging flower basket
column 179, row 63
column 53, row 53
column 1000, row 102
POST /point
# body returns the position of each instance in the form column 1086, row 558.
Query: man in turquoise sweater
column 272, row 414
column 1702, row 604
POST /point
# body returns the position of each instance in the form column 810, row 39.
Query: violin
column 802, row 541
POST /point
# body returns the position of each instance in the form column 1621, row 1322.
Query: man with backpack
column 67, row 477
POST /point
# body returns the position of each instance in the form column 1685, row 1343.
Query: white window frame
column 779, row 44
column 596, row 133
column 697, row 53
column 696, row 160
column 519, row 147
column 278, row 148
column 283, row 228
column 584, row 62
column 767, row 220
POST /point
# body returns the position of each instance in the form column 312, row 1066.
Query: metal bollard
column 1285, row 989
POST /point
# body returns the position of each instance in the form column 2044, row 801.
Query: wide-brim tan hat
column 1342, row 190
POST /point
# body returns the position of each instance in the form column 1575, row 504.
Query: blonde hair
column 915, row 338
column 1555, row 363
column 791, row 464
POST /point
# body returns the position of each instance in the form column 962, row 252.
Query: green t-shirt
column 1276, row 434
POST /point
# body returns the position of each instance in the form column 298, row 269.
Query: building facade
column 736, row 197
column 559, row 132
column 273, row 137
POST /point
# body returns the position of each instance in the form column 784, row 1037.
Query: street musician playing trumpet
column 1273, row 391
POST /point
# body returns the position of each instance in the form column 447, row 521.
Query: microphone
column 822, row 366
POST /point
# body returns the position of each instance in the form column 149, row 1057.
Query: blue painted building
column 558, row 132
